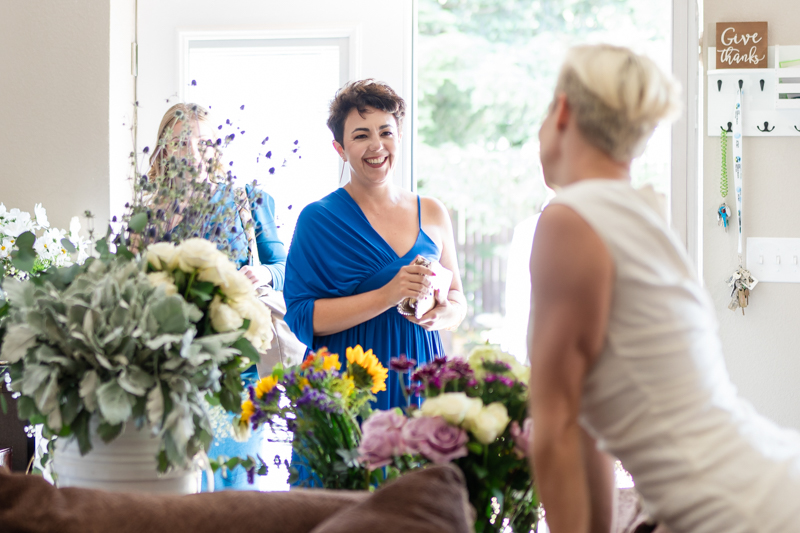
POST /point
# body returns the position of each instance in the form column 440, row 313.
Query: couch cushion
column 29, row 504
column 432, row 500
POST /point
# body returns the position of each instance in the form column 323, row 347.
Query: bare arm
column 572, row 280
column 332, row 315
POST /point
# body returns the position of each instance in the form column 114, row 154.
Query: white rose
column 217, row 272
column 237, row 286
column 259, row 332
column 160, row 254
column 223, row 316
column 194, row 254
column 490, row 423
column 164, row 280
column 455, row 407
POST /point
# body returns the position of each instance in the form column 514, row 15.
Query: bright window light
column 285, row 91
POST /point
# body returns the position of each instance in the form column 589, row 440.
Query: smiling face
column 371, row 144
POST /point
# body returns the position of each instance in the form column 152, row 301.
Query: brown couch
column 433, row 500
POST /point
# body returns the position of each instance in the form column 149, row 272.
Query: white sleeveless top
column 659, row 396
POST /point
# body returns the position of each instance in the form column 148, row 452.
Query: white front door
column 283, row 61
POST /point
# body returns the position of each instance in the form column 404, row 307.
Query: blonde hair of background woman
column 617, row 96
column 177, row 113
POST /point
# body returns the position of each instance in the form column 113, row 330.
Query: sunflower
column 265, row 386
column 365, row 369
column 248, row 410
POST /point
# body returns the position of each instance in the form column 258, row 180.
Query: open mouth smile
column 376, row 162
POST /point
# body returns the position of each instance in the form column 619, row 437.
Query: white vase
column 126, row 464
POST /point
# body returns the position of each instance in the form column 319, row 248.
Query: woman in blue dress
column 349, row 264
column 271, row 256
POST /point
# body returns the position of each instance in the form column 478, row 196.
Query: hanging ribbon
column 737, row 162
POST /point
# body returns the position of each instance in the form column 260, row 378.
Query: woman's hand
column 410, row 282
column 443, row 315
column 259, row 275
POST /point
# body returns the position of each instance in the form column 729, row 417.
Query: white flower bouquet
column 22, row 252
column 147, row 340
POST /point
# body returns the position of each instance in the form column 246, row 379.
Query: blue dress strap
column 419, row 213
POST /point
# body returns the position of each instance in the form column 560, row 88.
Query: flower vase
column 126, row 464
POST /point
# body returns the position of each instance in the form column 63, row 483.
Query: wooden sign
column 741, row 45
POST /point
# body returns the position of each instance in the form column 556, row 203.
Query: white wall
column 384, row 26
column 54, row 93
column 762, row 347
column 120, row 104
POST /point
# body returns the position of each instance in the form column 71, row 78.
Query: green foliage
column 98, row 345
column 487, row 73
column 24, row 257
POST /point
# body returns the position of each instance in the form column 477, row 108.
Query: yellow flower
column 248, row 410
column 347, row 386
column 331, row 362
column 265, row 385
column 304, row 383
column 368, row 364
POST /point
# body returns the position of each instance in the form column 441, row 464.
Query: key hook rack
column 771, row 96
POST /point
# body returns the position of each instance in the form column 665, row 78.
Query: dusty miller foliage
column 99, row 344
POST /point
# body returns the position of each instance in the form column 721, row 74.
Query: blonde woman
column 625, row 356
column 192, row 144
column 174, row 139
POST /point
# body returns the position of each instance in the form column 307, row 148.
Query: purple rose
column 523, row 437
column 381, row 438
column 435, row 439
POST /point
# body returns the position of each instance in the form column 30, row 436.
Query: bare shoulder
column 434, row 211
column 568, row 255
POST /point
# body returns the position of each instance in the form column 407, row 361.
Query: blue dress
column 272, row 255
column 336, row 252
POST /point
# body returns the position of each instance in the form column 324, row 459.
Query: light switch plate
column 774, row 259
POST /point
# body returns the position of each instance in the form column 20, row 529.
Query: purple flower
column 315, row 398
column 461, row 367
column 505, row 380
column 523, row 438
column 382, row 438
column 424, row 373
column 435, row 439
column 402, row 364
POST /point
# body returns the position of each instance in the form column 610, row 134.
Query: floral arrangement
column 23, row 253
column 122, row 339
column 321, row 405
column 474, row 416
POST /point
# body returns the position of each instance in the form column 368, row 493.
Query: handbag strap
column 246, row 215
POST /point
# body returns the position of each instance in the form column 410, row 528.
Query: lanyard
column 737, row 162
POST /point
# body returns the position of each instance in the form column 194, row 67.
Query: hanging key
column 723, row 214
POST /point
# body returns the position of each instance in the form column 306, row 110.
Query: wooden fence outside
column 483, row 260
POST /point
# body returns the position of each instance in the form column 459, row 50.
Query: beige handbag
column 285, row 348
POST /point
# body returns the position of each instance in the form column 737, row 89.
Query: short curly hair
column 360, row 95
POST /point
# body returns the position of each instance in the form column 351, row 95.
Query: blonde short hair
column 178, row 113
column 618, row 97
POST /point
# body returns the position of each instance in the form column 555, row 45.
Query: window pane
column 228, row 77
column 487, row 69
